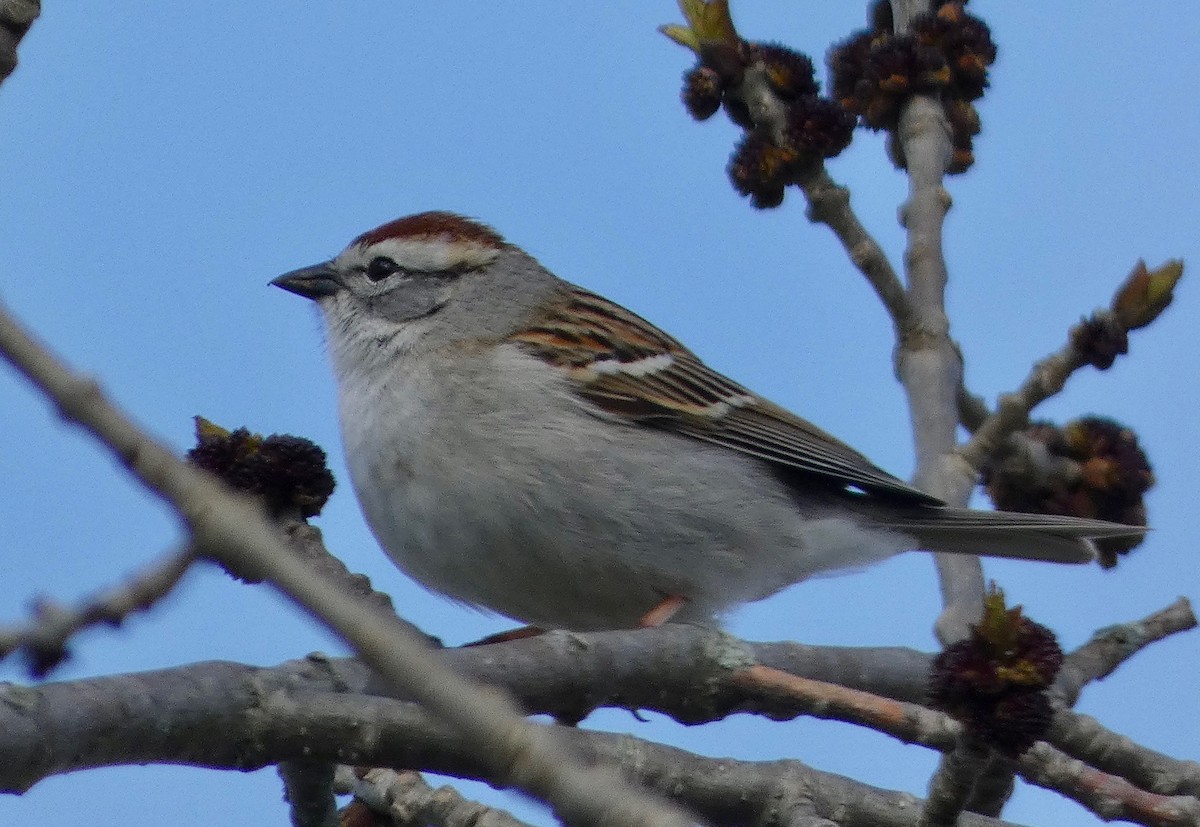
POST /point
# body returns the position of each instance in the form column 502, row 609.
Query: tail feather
column 1047, row 537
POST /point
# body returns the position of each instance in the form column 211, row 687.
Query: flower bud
column 1146, row 293
column 995, row 680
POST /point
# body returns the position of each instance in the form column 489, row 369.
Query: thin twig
column 1085, row 738
column 908, row 722
column 43, row 642
column 234, row 530
column 1097, row 340
column 828, row 201
column 407, row 800
column 829, row 204
column 973, row 411
column 1113, row 645
column 1108, row 796
column 1046, row 379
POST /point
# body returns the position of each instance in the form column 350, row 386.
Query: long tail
column 1009, row 534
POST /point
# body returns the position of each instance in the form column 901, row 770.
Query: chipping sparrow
column 520, row 444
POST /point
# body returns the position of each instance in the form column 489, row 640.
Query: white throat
column 366, row 347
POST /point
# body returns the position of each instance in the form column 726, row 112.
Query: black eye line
column 448, row 273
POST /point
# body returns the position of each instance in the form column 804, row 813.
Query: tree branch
column 384, row 732
column 928, row 363
column 224, row 715
column 692, row 674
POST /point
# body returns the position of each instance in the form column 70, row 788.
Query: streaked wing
column 630, row 368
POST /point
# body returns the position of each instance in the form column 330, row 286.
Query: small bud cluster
column 947, row 53
column 995, row 681
column 761, row 170
column 285, row 471
column 816, row 127
column 702, row 92
column 1099, row 340
column 1104, row 474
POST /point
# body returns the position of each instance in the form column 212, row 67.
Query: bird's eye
column 380, row 268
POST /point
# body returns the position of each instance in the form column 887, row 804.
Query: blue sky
column 160, row 162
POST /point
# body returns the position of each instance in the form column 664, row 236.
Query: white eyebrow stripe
column 434, row 254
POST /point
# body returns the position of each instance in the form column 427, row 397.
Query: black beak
column 314, row 282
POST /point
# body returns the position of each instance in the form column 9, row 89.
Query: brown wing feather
column 629, row 368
